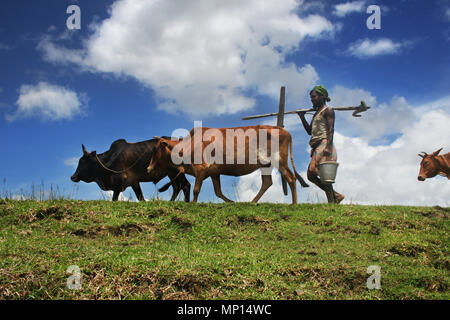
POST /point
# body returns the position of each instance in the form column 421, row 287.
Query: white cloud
column 447, row 13
column 366, row 48
column 50, row 102
column 442, row 103
column 374, row 124
column 343, row 9
column 201, row 57
column 341, row 96
column 57, row 54
column 71, row 162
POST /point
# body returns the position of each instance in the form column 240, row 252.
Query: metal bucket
column 327, row 171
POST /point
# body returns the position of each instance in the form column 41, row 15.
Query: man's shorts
column 318, row 157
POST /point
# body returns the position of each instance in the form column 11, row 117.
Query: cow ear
column 437, row 152
column 85, row 152
column 162, row 142
column 93, row 153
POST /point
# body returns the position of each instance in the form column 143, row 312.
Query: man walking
column 321, row 131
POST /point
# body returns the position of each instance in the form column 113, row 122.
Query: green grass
column 177, row 250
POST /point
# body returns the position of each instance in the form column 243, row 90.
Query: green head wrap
column 322, row 91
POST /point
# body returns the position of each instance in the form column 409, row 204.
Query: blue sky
column 137, row 69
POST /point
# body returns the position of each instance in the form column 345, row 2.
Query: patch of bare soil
column 251, row 220
column 437, row 212
column 240, row 221
column 339, row 229
column 186, row 286
column 441, row 263
column 407, row 251
column 184, row 224
column 34, row 284
column 436, row 284
column 125, row 229
column 55, row 212
column 158, row 212
column 432, row 284
column 397, row 224
column 326, row 279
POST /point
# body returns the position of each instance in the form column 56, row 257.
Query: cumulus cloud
column 201, row 57
column 366, row 48
column 376, row 123
column 342, row 96
column 50, row 102
column 343, row 9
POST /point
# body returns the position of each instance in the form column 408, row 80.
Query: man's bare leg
column 332, row 196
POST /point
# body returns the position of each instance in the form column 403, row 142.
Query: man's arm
column 305, row 123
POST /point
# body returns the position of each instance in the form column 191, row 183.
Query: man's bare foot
column 338, row 197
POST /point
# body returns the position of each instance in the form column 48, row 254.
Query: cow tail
column 300, row 179
column 165, row 187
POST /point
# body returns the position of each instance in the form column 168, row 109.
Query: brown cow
column 433, row 164
column 210, row 152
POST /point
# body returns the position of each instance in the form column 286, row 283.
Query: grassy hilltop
column 176, row 250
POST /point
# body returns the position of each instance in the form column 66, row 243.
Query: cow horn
column 423, row 155
column 156, row 137
column 84, row 149
column 437, row 152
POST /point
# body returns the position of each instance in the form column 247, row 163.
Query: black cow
column 125, row 164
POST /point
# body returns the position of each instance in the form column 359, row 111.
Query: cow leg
column 115, row 195
column 181, row 183
column 197, row 186
column 218, row 189
column 186, row 186
column 290, row 178
column 176, row 190
column 266, row 183
column 138, row 191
